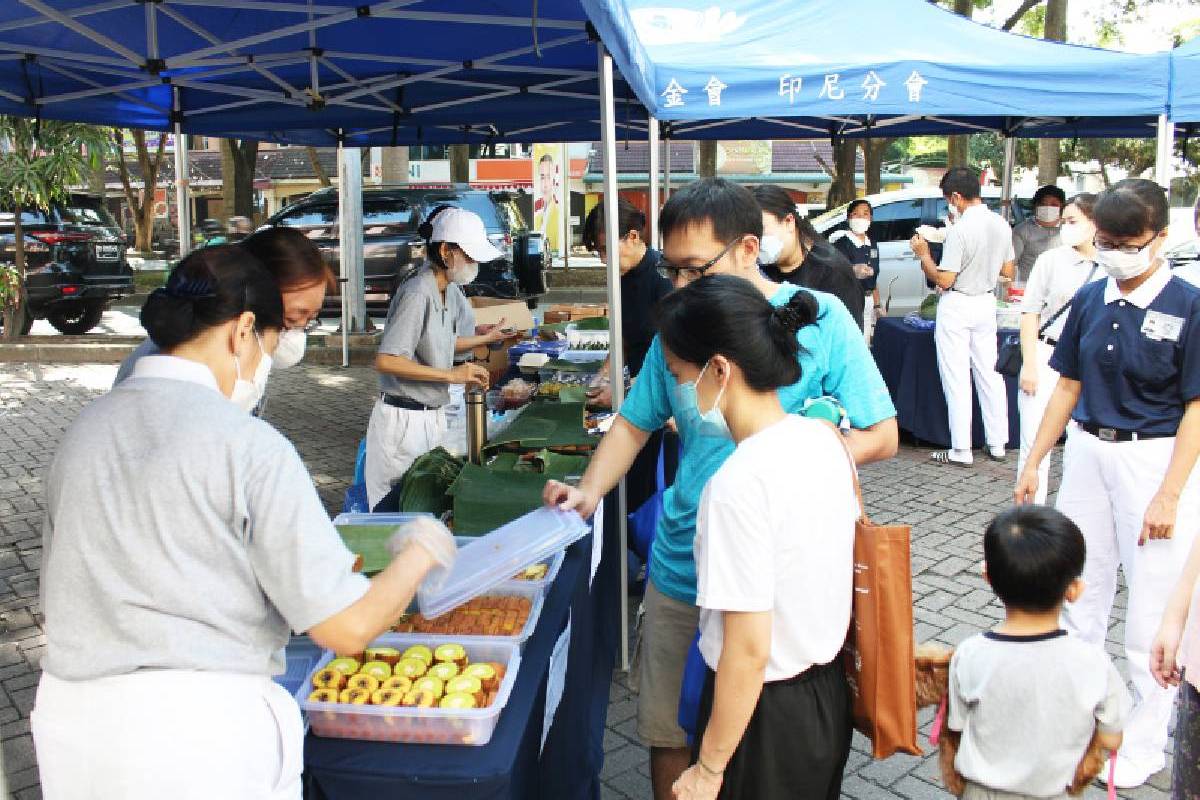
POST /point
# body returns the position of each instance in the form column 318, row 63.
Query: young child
column 1025, row 697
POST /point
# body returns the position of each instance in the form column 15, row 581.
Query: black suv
column 75, row 263
column 392, row 248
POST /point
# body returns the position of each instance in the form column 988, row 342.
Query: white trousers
column 1106, row 489
column 396, row 437
column 869, row 317
column 966, row 346
column 168, row 733
column 1032, row 407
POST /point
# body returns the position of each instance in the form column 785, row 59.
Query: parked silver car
column 895, row 218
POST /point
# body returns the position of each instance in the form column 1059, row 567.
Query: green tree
column 141, row 206
column 39, row 161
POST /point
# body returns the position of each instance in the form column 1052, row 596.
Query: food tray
column 302, row 654
column 508, row 588
column 554, row 563
column 416, row 725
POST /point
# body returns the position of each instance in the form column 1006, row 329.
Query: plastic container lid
column 493, row 559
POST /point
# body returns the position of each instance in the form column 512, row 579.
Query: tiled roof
column 204, row 166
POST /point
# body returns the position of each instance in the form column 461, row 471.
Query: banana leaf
column 370, row 542
column 546, row 424
column 485, row 499
column 561, row 365
column 585, row 324
column 572, row 394
column 424, row 485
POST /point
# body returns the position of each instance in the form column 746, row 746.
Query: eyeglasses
column 672, row 272
column 1127, row 249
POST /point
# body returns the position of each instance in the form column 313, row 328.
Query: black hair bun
column 798, row 312
column 168, row 318
column 425, row 230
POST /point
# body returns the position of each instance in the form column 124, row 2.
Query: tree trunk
column 96, row 181
column 14, row 313
column 873, row 150
column 141, row 208
column 315, row 160
column 706, row 163
column 1048, row 149
column 845, row 158
column 238, row 159
column 460, row 163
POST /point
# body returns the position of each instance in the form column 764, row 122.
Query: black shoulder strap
column 1067, row 305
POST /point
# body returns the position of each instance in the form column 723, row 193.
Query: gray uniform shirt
column 422, row 327
column 976, row 247
column 1027, row 707
column 1030, row 240
column 146, row 348
column 182, row 533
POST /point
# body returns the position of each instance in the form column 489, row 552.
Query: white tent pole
column 183, row 208
column 616, row 355
column 666, row 177
column 350, row 236
column 1010, row 158
column 343, row 284
column 1166, row 148
column 564, row 203
column 652, row 184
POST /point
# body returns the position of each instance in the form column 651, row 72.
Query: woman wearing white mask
column 183, row 540
column 1056, row 276
column 774, row 556
column 863, row 255
column 303, row 278
column 1035, row 236
column 792, row 251
column 429, row 323
column 1129, row 361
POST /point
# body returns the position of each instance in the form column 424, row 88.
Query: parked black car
column 392, row 248
column 75, row 263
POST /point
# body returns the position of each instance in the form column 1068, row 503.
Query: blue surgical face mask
column 708, row 423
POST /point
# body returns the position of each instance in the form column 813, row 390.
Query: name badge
column 1162, row 327
column 874, row 253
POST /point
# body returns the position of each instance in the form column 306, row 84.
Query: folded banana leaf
column 585, row 324
column 486, row 499
column 370, row 543
column 546, row 424
column 572, row 394
column 425, row 484
column 562, row 365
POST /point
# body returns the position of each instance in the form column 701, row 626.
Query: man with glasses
column 713, row 227
column 977, row 252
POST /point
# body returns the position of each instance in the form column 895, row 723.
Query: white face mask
column 248, row 394
column 1072, row 234
column 952, row 213
column 860, row 225
column 1125, row 266
column 463, row 273
column 1048, row 214
column 290, row 349
column 769, row 248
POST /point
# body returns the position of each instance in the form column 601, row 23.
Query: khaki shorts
column 668, row 629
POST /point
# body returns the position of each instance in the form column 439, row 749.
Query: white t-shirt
column 1057, row 275
column 976, row 247
column 775, row 532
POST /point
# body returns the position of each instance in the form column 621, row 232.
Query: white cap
column 465, row 229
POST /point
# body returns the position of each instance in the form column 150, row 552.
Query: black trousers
column 797, row 742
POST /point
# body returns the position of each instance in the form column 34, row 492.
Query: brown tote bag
column 878, row 655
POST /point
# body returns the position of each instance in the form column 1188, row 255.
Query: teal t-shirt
column 834, row 361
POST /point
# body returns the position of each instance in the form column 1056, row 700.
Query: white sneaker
column 1130, row 774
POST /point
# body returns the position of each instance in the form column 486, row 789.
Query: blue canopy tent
column 1185, row 82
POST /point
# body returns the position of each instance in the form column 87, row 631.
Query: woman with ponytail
column 774, row 555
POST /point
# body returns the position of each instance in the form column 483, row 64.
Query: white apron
column 180, row 734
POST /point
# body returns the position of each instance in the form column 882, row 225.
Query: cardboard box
column 489, row 311
column 569, row 312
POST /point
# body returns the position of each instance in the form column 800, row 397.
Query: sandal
column 943, row 457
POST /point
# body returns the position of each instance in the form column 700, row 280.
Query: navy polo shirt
column 1136, row 357
column 857, row 253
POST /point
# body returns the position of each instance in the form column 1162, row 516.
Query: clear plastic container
column 494, row 558
column 472, row 726
column 508, row 588
column 302, row 654
column 367, row 535
column 553, row 565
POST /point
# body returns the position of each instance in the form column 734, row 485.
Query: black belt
column 1118, row 434
column 981, row 294
column 396, row 401
column 1050, row 340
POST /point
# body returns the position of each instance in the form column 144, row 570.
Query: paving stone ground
column 325, row 410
